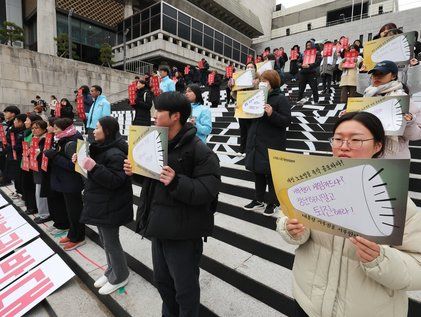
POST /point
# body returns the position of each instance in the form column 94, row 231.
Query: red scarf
column 69, row 131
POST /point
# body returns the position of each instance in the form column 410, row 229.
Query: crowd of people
column 177, row 211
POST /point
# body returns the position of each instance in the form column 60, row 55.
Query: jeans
column 42, row 203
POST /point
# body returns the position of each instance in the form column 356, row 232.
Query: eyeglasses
column 353, row 144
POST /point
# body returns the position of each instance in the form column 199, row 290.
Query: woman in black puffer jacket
column 143, row 105
column 108, row 199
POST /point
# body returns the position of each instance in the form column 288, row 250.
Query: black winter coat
column 143, row 107
column 8, row 128
column 108, row 195
column 67, row 112
column 63, row 177
column 215, row 90
column 181, row 210
column 268, row 133
column 19, row 135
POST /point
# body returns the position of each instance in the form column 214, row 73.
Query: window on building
column 219, row 47
column 361, row 38
column 208, row 42
column 380, row 9
column 168, row 24
column 288, row 32
column 308, row 26
column 184, row 31
column 197, row 37
column 197, row 25
column 170, row 11
column 370, row 36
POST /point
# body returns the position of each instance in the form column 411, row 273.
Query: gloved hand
column 88, row 164
column 50, row 153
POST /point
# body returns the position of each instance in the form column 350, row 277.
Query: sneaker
column 58, row 232
column 269, row 210
column 64, row 240
column 109, row 288
column 31, row 211
column 101, row 281
column 69, row 246
column 255, row 205
column 39, row 220
column 302, row 101
column 19, row 203
column 14, row 195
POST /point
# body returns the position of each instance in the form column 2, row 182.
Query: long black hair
column 110, row 127
column 195, row 88
column 371, row 122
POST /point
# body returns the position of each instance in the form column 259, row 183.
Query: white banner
column 12, row 240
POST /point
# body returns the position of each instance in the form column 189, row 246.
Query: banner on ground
column 389, row 109
column 82, row 152
column 148, row 150
column 316, row 191
column 264, row 66
column 397, row 48
column 250, row 103
column 243, row 79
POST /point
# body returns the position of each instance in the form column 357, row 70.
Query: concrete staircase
column 246, row 266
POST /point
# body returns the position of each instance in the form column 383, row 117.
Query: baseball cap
column 385, row 67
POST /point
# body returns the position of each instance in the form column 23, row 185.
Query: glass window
column 227, row 40
column 236, row 54
column 170, row 11
column 169, row 25
column 243, row 58
column 208, row 31
column 183, row 31
column 244, row 49
column 197, row 25
column 228, row 51
column 219, row 36
column 219, row 48
column 236, row 45
column 208, row 42
column 145, row 15
column 136, row 31
column 196, row 37
column 183, row 18
column 119, row 26
column 145, row 29
column 155, row 23
column 156, row 9
column 136, row 18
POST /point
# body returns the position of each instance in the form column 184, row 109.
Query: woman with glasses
column 354, row 277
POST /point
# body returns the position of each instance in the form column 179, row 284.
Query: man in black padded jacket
column 176, row 212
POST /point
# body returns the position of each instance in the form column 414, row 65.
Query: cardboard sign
column 211, row 79
column 250, row 104
column 82, row 151
column 154, row 82
column 3, row 135
column 243, row 79
column 34, row 147
column 148, row 150
column 3, row 202
column 264, row 66
column 228, row 71
column 26, row 292
column 80, row 107
column 13, row 143
column 186, row 69
column 350, row 58
column 316, row 191
column 327, row 49
column 132, row 93
column 25, row 156
column 397, row 48
column 344, row 42
column 249, row 59
column 23, row 260
column 47, row 145
column 309, row 56
column 293, row 55
column 15, row 239
column 9, row 222
column 389, row 109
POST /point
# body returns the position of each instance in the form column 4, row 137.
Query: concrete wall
column 263, row 10
column 25, row 74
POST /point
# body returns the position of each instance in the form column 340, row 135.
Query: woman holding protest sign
column 349, row 65
column 106, row 180
column 336, row 276
column 267, row 132
column 65, row 179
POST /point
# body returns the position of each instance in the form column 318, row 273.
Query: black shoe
column 269, row 210
column 254, row 205
column 31, row 211
column 39, row 220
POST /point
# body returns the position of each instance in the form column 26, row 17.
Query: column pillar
column 128, row 8
column 46, row 27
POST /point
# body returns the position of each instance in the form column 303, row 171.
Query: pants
column 57, row 209
column 346, row 92
column 90, row 133
column 176, row 275
column 215, row 104
column 229, row 98
column 260, row 182
column 310, row 79
column 244, row 127
column 18, row 181
column 42, row 203
column 74, row 206
column 28, row 187
column 117, row 270
column 327, row 81
column 337, row 74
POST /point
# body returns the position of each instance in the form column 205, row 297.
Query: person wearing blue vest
column 201, row 116
column 167, row 84
column 100, row 108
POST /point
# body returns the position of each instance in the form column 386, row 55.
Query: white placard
column 264, row 66
column 254, row 105
column 19, row 297
column 10, row 224
column 12, row 240
column 23, row 260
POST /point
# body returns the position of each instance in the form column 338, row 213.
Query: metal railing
column 138, row 66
